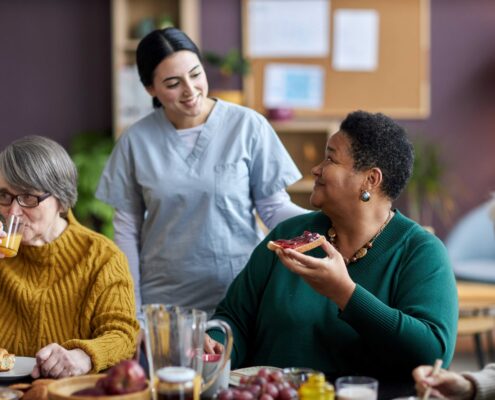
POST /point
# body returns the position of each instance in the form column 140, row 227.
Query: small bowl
column 62, row 389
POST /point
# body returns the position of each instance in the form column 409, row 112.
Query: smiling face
column 179, row 82
column 43, row 223
column 337, row 184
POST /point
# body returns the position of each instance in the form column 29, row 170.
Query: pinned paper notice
column 293, row 86
column 355, row 40
column 281, row 28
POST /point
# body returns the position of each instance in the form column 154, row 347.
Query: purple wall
column 54, row 68
column 462, row 89
column 221, row 32
column 55, row 77
column 463, row 98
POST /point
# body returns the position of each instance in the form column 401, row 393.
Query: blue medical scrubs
column 199, row 227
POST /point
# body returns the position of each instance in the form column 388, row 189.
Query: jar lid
column 316, row 379
column 176, row 374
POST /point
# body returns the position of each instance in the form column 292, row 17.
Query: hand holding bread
column 328, row 276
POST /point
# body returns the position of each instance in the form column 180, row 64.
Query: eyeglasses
column 25, row 200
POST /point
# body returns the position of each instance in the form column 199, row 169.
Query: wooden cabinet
column 129, row 18
column 305, row 140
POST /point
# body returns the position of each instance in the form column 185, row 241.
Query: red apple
column 125, row 377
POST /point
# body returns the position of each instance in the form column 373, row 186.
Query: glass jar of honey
column 178, row 383
column 316, row 388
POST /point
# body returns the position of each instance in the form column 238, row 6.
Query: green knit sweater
column 75, row 291
column 403, row 312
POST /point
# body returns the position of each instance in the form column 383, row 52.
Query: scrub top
column 199, row 224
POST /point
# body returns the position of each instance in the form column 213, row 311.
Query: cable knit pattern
column 76, row 291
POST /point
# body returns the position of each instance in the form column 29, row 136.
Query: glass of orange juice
column 13, row 227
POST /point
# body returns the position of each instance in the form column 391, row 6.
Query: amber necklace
column 361, row 252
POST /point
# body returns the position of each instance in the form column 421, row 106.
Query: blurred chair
column 476, row 306
column 471, row 245
column 475, row 327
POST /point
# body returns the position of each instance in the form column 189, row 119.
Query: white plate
column 237, row 374
column 23, row 367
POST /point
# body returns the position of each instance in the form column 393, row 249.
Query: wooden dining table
column 476, row 297
column 477, row 316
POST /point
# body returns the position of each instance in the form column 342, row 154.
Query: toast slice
column 307, row 241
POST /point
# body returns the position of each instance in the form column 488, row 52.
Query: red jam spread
column 305, row 238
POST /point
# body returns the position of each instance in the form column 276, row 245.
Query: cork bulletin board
column 399, row 86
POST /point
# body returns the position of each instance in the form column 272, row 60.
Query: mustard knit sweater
column 76, row 291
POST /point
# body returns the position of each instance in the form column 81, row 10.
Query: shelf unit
column 129, row 99
column 305, row 140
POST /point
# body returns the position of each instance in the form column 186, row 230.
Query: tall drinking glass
column 13, row 227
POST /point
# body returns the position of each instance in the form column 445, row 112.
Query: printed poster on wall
column 355, row 40
column 293, row 86
column 288, row 28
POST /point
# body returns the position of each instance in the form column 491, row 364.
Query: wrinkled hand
column 53, row 361
column 211, row 346
column 328, row 276
column 445, row 384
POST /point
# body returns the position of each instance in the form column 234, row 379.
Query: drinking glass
column 356, row 388
column 14, row 228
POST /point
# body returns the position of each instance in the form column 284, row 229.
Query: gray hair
column 41, row 164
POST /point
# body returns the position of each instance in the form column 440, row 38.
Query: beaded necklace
column 361, row 252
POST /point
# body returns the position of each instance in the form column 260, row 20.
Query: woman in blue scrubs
column 187, row 179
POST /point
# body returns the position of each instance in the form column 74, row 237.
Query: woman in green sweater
column 67, row 297
column 377, row 298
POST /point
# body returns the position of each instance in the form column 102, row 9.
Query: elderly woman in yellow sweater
column 67, row 297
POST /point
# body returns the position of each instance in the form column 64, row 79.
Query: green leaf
column 90, row 152
column 231, row 63
column 426, row 190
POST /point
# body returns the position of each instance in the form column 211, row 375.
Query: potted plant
column 90, row 151
column 229, row 66
column 426, row 193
